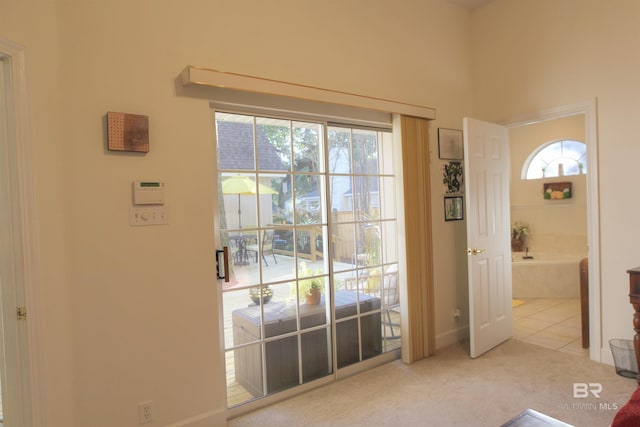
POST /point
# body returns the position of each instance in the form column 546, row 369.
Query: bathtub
column 546, row 275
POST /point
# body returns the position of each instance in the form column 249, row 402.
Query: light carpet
column 451, row 389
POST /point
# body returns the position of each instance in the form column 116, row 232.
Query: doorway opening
column 550, row 305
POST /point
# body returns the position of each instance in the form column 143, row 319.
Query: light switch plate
column 148, row 215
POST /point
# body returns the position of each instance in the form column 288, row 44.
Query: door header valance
column 207, row 77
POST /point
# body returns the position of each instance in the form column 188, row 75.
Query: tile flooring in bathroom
column 551, row 323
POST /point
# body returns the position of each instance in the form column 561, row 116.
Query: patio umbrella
column 244, row 186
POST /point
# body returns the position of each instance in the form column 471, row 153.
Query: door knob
column 475, row 251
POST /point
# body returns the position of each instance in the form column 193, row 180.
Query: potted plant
column 254, row 294
column 313, row 294
column 309, row 288
column 519, row 232
column 372, row 244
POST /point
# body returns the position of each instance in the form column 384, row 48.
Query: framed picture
column 453, row 177
column 450, row 144
column 557, row 190
column 127, row 132
column 453, row 208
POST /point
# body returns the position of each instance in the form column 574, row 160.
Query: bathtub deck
column 546, row 277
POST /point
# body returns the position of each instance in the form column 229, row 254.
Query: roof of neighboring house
column 235, row 148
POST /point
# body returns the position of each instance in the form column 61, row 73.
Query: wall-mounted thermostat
column 148, row 192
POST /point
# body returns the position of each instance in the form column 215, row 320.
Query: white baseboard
column 452, row 336
column 217, row 418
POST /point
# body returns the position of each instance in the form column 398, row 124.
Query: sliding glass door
column 364, row 241
column 304, row 213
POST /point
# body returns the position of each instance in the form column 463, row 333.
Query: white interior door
column 20, row 400
column 488, row 234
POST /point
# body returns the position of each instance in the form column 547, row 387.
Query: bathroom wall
column 556, row 226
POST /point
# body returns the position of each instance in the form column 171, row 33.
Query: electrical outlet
column 456, row 313
column 145, row 412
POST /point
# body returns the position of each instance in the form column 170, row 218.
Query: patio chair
column 238, row 249
column 266, row 246
column 389, row 294
column 390, row 297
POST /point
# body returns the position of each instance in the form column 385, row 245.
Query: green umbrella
column 244, row 186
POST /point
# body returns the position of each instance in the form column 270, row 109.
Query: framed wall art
column 453, row 208
column 127, row 132
column 557, row 190
column 453, row 178
column 450, row 146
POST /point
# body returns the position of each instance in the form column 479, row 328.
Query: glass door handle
column 475, row 251
column 222, row 273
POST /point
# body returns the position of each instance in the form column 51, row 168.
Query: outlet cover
column 145, row 412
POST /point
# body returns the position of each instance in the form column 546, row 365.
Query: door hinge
column 21, row 313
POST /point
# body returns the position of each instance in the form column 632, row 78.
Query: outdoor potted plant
column 313, row 294
column 519, row 232
column 309, row 288
column 254, row 294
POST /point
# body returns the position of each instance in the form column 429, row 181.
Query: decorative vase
column 254, row 294
column 312, row 297
column 517, row 245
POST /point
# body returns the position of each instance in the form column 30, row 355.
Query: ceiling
column 470, row 4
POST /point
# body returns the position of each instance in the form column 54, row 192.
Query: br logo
column 582, row 390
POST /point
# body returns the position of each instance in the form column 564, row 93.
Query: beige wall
column 39, row 34
column 130, row 314
column 531, row 55
column 556, row 226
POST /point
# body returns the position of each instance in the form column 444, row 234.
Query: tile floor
column 551, row 323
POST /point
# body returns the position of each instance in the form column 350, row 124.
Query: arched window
column 556, row 158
